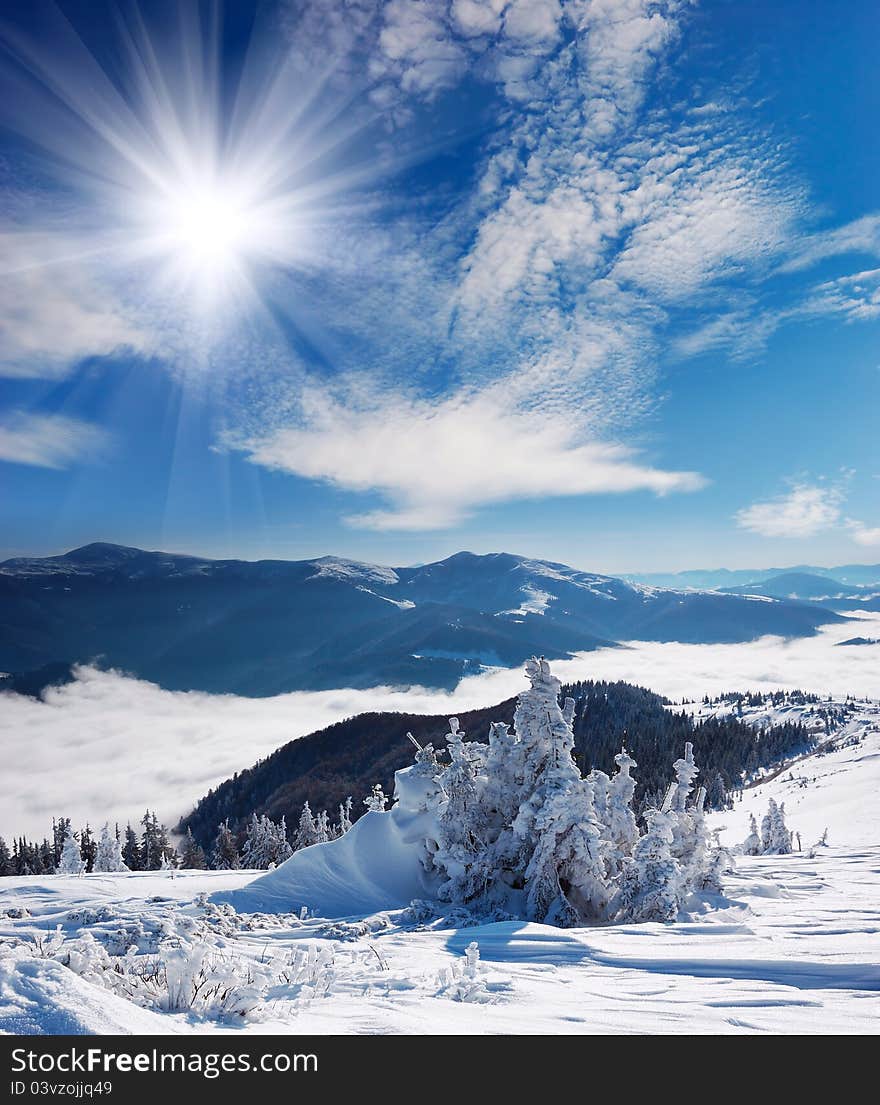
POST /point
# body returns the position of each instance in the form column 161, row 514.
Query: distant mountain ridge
column 714, row 579
column 265, row 627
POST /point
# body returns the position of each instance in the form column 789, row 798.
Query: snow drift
column 376, row 865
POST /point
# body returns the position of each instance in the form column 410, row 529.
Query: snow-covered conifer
column 568, row 711
column 651, row 884
column 565, row 879
column 72, row 862
column 459, row 842
column 307, row 830
column 752, row 844
column 599, row 784
column 777, row 841
column 254, row 849
column 345, row 816
column 224, row 855
column 193, row 855
column 720, row 863
column 109, row 854
column 621, row 831
column 685, row 773
column 376, row 800
column 697, row 863
column 281, row 845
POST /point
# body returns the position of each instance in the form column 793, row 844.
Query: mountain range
column 270, row 626
column 713, row 579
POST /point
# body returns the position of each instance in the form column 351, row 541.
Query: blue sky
column 594, row 280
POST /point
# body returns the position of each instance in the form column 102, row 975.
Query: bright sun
column 206, row 228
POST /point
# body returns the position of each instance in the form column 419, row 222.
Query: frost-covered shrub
column 465, row 979
column 198, row 976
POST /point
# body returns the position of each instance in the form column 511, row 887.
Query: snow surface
column 353, row 571
column 791, row 948
column 535, row 601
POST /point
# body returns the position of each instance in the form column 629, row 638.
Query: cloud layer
column 108, row 746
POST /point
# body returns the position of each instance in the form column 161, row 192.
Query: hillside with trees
column 346, row 759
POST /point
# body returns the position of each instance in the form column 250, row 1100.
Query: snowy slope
column 837, row 790
column 792, row 948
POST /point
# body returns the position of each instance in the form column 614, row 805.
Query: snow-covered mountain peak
column 353, row 571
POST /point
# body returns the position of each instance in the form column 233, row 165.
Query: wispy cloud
column 860, row 236
column 856, row 296
column 55, row 310
column 49, row 440
column 437, row 462
column 803, row 512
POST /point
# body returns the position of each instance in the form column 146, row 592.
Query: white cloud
column 108, row 746
column 54, row 310
column 438, row 461
column 702, row 223
column 49, row 440
column 860, row 236
column 856, row 297
column 418, row 47
column 862, row 534
column 803, row 512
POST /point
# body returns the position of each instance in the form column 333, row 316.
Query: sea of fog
column 107, row 746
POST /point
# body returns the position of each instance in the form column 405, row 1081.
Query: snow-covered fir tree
column 224, row 855
column 652, row 881
column 322, row 826
column 719, row 864
column 696, row 860
column 344, row 816
column 752, row 844
column 71, row 862
column 457, row 838
column 565, row 878
column 109, row 852
column 775, row 836
column 376, row 801
column 252, row 853
column 683, row 834
column 192, row 856
column 599, row 785
column 622, row 830
column 266, row 844
column 307, row 830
